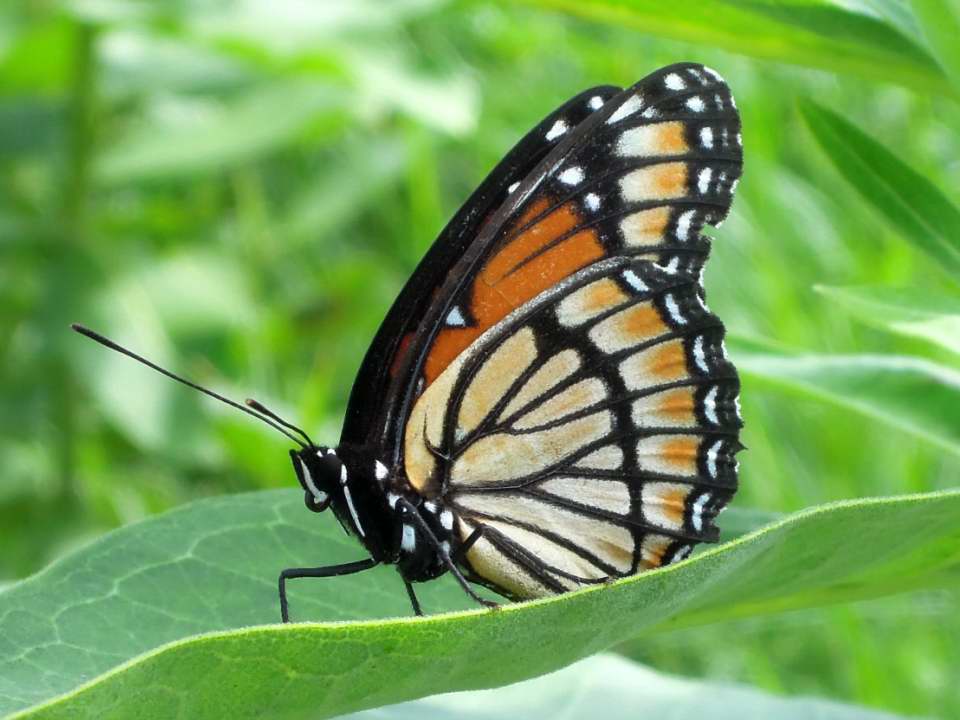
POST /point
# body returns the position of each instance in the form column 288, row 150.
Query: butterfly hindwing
column 592, row 433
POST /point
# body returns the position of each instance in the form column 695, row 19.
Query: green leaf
column 940, row 22
column 154, row 620
column 611, row 687
column 828, row 34
column 908, row 200
column 905, row 311
column 916, row 396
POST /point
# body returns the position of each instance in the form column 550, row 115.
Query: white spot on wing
column 596, row 102
column 683, row 224
column 673, row 309
column 571, row 176
column 634, row 281
column 698, row 355
column 706, row 137
column 592, row 201
column 343, row 474
column 455, row 317
column 556, row 130
column 629, row 106
column 696, row 513
column 674, row 82
column 513, row 186
column 712, row 73
column 380, row 470
column 710, row 405
column 712, row 458
column 703, row 180
column 696, row 103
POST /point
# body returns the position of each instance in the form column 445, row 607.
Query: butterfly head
column 320, row 473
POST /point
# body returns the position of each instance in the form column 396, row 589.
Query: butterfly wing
column 592, row 433
column 567, row 389
column 370, row 420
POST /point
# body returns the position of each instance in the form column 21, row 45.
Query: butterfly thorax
column 389, row 517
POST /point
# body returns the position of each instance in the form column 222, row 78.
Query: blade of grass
column 915, row 396
column 905, row 311
column 824, row 34
column 940, row 22
column 908, row 200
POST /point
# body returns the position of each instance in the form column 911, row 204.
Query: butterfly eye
column 314, row 505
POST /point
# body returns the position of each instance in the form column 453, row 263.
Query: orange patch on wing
column 681, row 452
column 518, row 272
column 670, row 138
column 645, row 227
column 641, row 322
column 601, row 295
column 678, row 405
column 673, row 505
column 669, row 362
column 663, row 181
column 652, row 550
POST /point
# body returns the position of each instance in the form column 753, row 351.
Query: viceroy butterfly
column 548, row 403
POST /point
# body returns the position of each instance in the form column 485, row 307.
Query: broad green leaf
column 940, row 22
column 829, row 34
column 906, row 311
column 165, row 617
column 613, row 688
column 908, row 200
column 916, row 396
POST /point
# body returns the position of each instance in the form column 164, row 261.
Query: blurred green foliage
column 238, row 189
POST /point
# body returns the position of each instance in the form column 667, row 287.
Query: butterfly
column 548, row 404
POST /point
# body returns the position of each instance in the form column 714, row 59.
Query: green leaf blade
column 113, row 627
column 908, row 200
column 823, row 34
column 905, row 311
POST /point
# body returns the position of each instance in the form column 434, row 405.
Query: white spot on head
column 634, row 281
column 380, row 471
column 446, row 520
column 408, row 540
column 571, row 176
column 696, row 103
column 628, row 107
column 353, row 510
column 683, row 224
column 556, row 130
column 706, row 137
column 319, row 496
column 674, row 82
column 710, row 405
column 455, row 317
column 703, row 180
column 592, row 201
column 595, row 103
column 513, row 186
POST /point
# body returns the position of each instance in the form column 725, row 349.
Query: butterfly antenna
column 107, row 342
column 263, row 410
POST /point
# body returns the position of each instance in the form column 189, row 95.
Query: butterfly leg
column 444, row 555
column 328, row 571
column 413, row 598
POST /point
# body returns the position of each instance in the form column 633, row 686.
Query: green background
column 238, row 190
